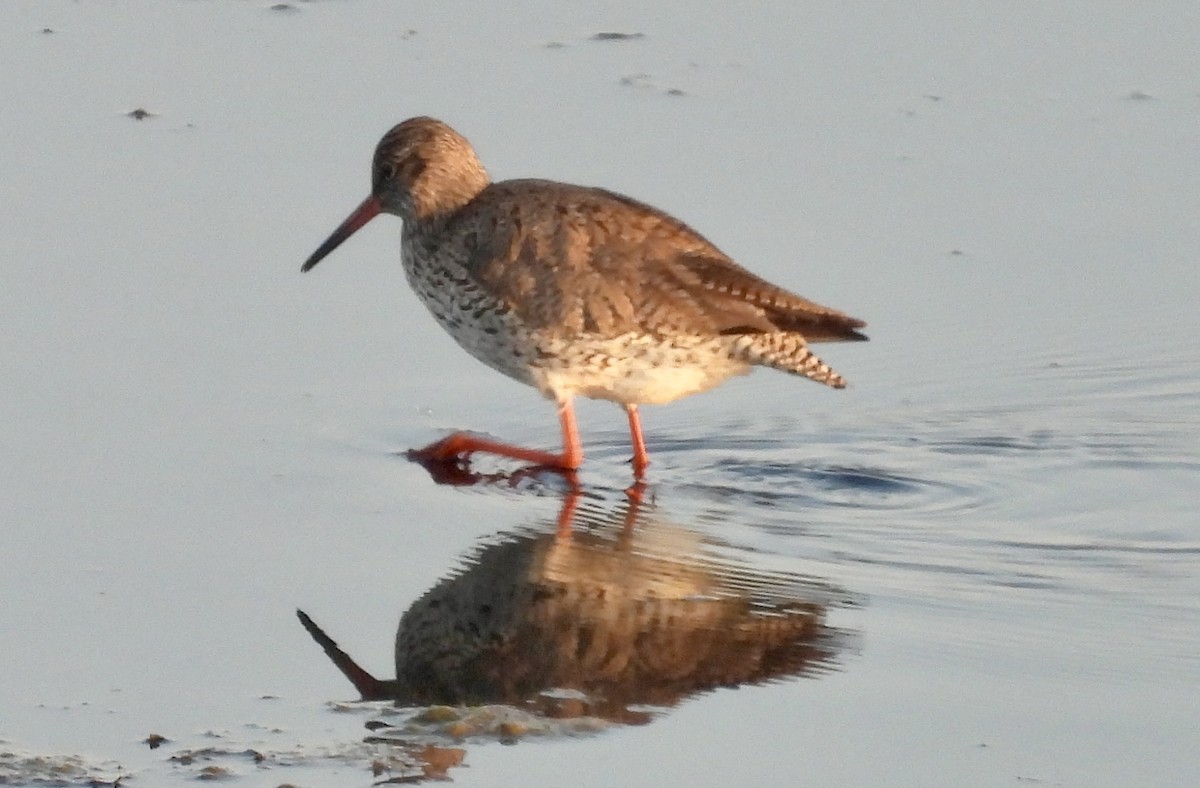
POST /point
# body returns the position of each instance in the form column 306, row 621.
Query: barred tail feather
column 787, row 352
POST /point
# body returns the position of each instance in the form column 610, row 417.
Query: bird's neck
column 441, row 192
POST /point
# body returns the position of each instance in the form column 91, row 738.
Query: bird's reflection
column 603, row 613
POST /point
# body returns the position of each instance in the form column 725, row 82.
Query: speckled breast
column 482, row 325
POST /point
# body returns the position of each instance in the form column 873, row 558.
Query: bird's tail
column 789, row 352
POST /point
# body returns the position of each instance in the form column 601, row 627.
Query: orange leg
column 572, row 456
column 462, row 444
column 640, row 459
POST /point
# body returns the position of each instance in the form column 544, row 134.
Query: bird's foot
column 452, row 449
column 455, row 448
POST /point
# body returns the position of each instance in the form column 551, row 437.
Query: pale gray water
column 1001, row 510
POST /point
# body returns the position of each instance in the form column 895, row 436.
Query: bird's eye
column 384, row 174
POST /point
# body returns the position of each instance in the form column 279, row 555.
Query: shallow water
column 992, row 532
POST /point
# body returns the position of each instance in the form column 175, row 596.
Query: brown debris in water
column 617, row 36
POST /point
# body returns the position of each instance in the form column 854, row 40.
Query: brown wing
column 581, row 260
column 732, row 288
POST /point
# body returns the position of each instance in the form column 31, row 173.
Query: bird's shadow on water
column 606, row 613
column 764, row 470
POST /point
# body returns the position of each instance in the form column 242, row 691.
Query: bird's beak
column 364, row 213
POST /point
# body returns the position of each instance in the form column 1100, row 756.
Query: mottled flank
column 577, row 290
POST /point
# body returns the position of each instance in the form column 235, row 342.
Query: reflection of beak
column 364, row 213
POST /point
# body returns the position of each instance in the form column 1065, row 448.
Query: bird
column 577, row 291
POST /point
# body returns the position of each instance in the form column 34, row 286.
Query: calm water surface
column 979, row 565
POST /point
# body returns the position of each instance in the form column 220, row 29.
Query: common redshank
column 576, row 290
